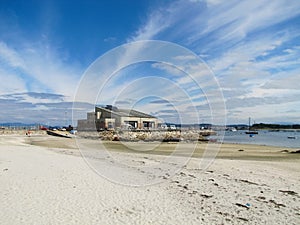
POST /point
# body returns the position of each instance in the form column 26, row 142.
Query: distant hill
column 19, row 125
column 15, row 124
column 275, row 126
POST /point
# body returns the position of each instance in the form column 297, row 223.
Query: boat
column 251, row 131
column 291, row 137
column 59, row 133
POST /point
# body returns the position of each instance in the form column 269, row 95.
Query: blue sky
column 252, row 48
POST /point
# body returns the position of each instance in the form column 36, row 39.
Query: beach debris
column 5, row 169
column 248, row 182
column 193, row 192
column 141, row 162
column 241, row 218
column 191, row 175
column 261, row 198
column 116, row 209
column 223, row 213
column 241, row 150
column 243, row 205
column 278, row 205
column 182, row 174
column 185, row 187
column 206, row 195
column 289, row 192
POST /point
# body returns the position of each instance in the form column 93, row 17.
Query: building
column 110, row 118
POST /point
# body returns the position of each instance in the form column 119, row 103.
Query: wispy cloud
column 251, row 47
column 37, row 68
column 34, row 97
column 44, row 108
column 11, row 57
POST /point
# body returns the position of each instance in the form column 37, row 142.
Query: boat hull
column 251, row 132
column 58, row 134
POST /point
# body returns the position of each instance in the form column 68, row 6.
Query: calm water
column 262, row 138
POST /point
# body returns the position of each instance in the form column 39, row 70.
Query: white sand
column 42, row 186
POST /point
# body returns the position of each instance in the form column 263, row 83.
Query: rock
column 294, row 152
column 285, row 151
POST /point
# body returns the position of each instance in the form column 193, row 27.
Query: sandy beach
column 45, row 180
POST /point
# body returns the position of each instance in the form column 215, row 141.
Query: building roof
column 126, row 112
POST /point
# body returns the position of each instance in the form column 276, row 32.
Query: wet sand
column 227, row 151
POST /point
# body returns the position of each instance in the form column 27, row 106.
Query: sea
column 289, row 139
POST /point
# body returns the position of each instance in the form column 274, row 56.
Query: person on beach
column 28, row 133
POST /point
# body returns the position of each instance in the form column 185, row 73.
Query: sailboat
column 251, row 131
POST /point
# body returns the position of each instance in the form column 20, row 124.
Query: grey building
column 110, row 118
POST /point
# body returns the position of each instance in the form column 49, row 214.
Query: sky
column 248, row 55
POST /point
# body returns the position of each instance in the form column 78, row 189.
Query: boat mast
column 249, row 123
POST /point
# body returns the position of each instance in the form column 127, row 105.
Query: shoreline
column 227, row 150
column 105, row 138
column 44, row 134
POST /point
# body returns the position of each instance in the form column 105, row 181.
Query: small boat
column 251, row 131
column 59, row 133
column 291, row 137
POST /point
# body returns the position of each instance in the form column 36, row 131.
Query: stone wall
column 145, row 135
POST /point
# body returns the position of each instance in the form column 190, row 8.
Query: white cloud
column 31, row 107
column 39, row 68
column 208, row 2
column 236, row 19
column 284, row 80
column 10, row 56
column 11, row 82
column 151, row 28
column 170, row 69
column 268, row 113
